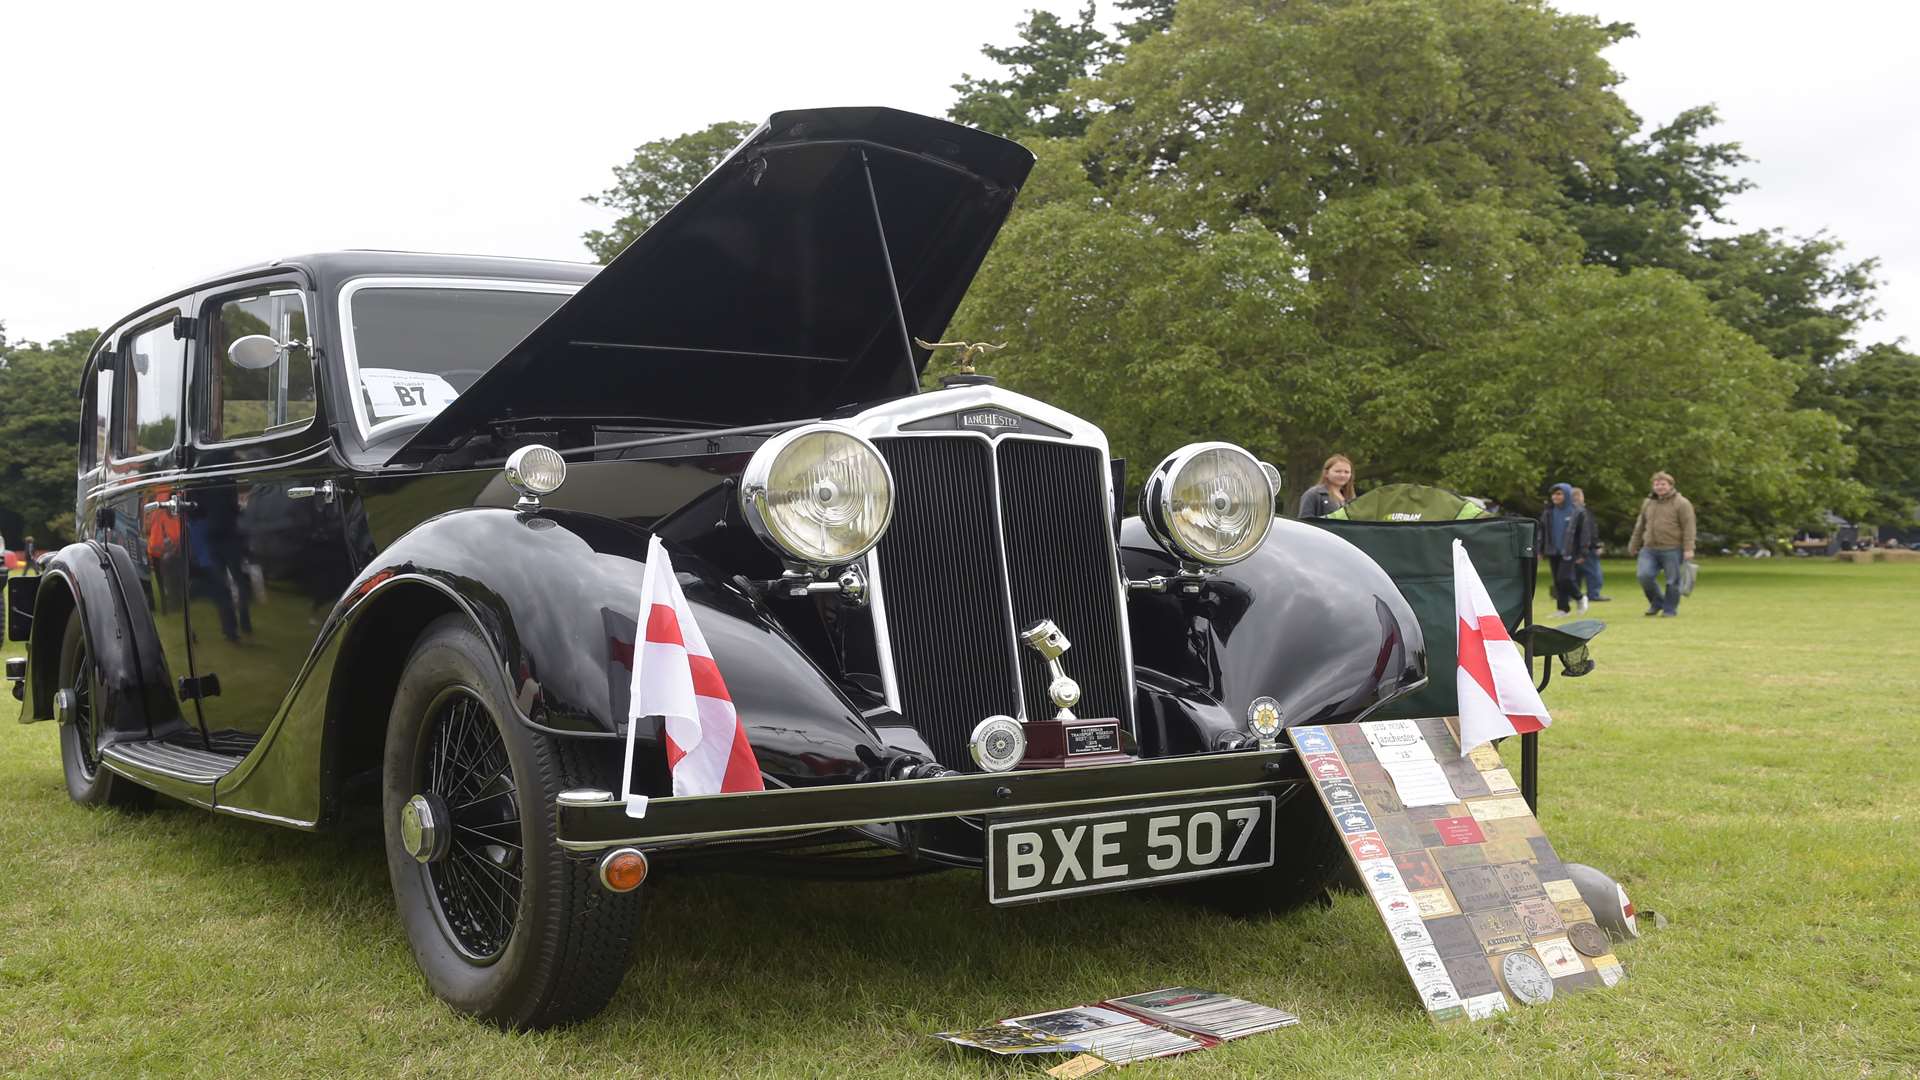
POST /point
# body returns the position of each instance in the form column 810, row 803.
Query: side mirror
column 253, row 352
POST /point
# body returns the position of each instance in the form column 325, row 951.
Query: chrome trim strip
column 259, row 815
column 984, row 809
column 350, row 355
column 883, row 648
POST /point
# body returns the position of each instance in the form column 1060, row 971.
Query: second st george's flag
column 1496, row 691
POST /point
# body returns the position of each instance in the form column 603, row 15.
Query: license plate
column 1041, row 858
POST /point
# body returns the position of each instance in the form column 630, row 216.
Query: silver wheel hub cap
column 425, row 831
column 64, row 702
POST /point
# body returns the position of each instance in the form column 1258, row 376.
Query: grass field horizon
column 1748, row 769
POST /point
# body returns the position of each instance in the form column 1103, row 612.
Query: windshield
column 413, row 345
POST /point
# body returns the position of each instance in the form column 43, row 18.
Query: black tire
column 1310, row 861
column 522, row 940
column 88, row 782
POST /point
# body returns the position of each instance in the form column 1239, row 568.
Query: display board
column 1474, row 896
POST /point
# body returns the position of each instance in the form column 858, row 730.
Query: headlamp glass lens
column 1220, row 505
column 827, row 497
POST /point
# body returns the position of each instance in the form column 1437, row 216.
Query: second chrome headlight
column 1209, row 503
column 819, row 495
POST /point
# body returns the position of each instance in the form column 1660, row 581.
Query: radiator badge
column 990, row 419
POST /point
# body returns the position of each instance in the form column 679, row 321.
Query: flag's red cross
column 1473, row 661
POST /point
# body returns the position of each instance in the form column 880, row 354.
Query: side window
column 100, row 413
column 152, row 363
column 264, row 385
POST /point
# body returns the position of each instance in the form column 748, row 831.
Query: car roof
column 337, row 265
column 329, row 268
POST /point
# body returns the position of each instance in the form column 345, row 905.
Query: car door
column 266, row 550
column 132, row 486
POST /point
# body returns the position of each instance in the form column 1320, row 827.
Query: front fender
column 556, row 595
column 1308, row 620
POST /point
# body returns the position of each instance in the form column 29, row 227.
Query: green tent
column 1403, row 503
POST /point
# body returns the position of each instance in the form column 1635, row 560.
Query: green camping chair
column 1418, row 555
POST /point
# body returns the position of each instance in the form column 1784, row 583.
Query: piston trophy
column 1066, row 740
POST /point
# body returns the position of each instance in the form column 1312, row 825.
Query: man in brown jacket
column 1663, row 539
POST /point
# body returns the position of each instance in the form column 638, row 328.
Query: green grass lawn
column 1750, row 769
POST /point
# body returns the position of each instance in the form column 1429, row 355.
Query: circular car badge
column 998, row 743
column 1588, row 938
column 1527, row 978
column 1263, row 717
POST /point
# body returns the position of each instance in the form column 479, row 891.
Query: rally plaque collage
column 1473, row 895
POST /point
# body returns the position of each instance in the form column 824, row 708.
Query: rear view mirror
column 253, row 352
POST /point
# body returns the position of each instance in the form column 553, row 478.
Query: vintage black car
column 370, row 527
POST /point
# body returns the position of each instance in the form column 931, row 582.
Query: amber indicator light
column 623, row 870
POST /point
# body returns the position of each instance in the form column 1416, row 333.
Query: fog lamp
column 534, row 471
column 819, row 495
column 1209, row 503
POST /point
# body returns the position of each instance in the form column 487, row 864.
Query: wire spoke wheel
column 476, row 884
column 86, row 738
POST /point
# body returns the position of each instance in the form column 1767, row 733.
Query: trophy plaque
column 1066, row 741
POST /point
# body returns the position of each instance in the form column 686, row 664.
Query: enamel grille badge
column 990, row 420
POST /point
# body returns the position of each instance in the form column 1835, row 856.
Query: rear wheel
column 80, row 707
column 505, row 924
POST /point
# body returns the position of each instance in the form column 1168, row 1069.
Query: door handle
column 172, row 504
column 324, row 489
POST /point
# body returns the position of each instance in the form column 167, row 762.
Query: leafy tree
column 39, row 432
column 1032, row 99
column 1154, row 16
column 1344, row 226
column 1648, row 207
column 659, row 174
column 1643, row 204
column 1878, row 395
column 1792, row 295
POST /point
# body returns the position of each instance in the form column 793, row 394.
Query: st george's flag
column 674, row 676
column 1497, row 697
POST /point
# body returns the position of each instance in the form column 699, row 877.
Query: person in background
column 1334, row 490
column 1566, row 532
column 1662, row 540
column 1590, row 570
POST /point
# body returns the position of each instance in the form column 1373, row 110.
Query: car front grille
column 964, row 565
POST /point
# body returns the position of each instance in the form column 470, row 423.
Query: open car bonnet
column 768, row 293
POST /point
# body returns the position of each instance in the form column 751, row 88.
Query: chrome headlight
column 1209, row 502
column 818, row 495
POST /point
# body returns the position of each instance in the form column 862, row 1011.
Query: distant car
column 385, row 516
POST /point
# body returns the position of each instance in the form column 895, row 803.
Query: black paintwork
column 273, row 629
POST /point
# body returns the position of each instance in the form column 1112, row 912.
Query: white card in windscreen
column 393, row 393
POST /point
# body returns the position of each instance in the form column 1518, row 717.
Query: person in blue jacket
column 1566, row 532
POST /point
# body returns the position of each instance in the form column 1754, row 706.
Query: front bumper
column 594, row 824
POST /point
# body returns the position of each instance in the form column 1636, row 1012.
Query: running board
column 185, row 764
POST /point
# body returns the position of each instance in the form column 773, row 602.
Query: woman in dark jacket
column 1566, row 532
column 1334, row 490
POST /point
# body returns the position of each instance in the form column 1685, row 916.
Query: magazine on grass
column 1204, row 1012
column 1110, row 1034
column 1006, row 1039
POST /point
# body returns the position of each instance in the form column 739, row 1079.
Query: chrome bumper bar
column 590, row 824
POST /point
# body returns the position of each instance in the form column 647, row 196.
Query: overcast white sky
column 143, row 146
